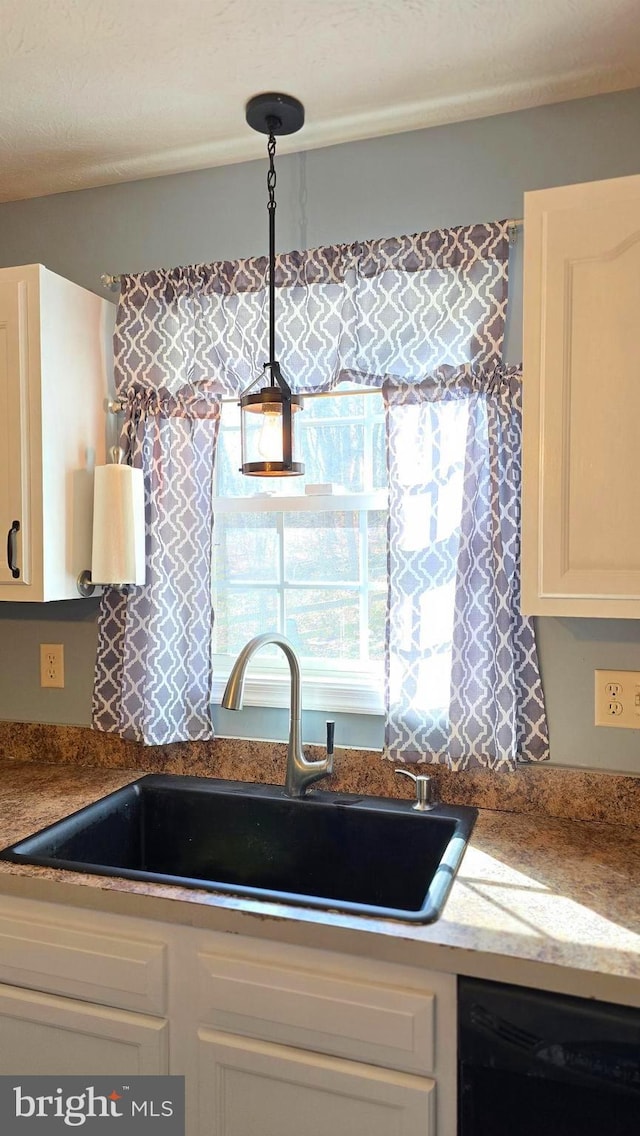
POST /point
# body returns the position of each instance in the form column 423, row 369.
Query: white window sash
column 346, row 686
column 339, row 687
column 309, row 502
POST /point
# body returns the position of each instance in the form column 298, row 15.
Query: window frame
column 345, row 686
column 327, row 684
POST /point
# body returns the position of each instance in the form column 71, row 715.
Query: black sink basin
column 365, row 855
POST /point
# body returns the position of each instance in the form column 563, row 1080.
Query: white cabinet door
column 581, row 506
column 53, row 386
column 44, row 1034
column 14, row 438
column 253, row 1088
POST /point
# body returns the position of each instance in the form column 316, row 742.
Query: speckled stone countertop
column 538, row 900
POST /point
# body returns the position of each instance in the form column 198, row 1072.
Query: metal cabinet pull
column 15, row 528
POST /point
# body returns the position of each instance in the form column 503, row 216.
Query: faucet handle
column 331, row 726
column 426, row 794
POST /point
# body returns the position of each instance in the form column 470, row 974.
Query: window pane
column 228, row 479
column 321, row 546
column 377, row 547
column 338, row 406
column 334, row 452
column 375, row 624
column 240, row 614
column 379, row 457
column 323, row 622
column 333, row 448
column 246, row 547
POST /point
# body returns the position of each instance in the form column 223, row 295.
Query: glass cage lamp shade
column 267, row 434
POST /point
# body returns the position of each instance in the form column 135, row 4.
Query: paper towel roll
column 118, row 555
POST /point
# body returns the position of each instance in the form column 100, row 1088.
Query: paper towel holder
column 122, row 583
column 84, row 584
column 86, row 587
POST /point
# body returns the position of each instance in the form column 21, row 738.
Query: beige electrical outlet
column 618, row 699
column 52, row 664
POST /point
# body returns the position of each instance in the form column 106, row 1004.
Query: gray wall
column 452, row 175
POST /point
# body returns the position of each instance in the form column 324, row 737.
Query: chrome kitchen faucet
column 300, row 772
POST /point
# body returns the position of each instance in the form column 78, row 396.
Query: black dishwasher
column 538, row 1064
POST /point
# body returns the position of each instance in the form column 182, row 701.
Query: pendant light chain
column 266, row 411
column 271, row 207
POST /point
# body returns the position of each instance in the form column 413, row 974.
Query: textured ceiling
column 100, row 91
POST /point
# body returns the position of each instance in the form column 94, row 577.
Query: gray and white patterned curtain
column 153, row 665
column 462, row 679
column 368, row 312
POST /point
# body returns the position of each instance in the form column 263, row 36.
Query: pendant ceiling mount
column 271, row 113
column 267, row 405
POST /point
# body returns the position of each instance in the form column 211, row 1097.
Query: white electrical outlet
column 52, row 664
column 618, row 699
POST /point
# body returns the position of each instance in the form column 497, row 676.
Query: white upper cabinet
column 53, row 386
column 581, row 392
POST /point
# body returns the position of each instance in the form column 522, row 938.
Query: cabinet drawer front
column 44, row 1034
column 125, row 972
column 354, row 1017
column 252, row 1087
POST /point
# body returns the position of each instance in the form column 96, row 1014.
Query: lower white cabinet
column 293, row 1040
column 248, row 1087
column 41, row 1033
column 272, row 1039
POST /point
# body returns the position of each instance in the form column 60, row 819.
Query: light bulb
column 270, row 440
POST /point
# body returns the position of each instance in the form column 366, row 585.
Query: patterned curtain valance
column 392, row 308
column 456, row 248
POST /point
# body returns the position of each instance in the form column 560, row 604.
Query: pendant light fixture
column 267, row 406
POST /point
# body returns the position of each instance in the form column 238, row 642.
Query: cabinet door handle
column 15, row 528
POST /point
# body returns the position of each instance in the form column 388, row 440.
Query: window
column 306, row 556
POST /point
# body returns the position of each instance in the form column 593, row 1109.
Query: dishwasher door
column 537, row 1064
